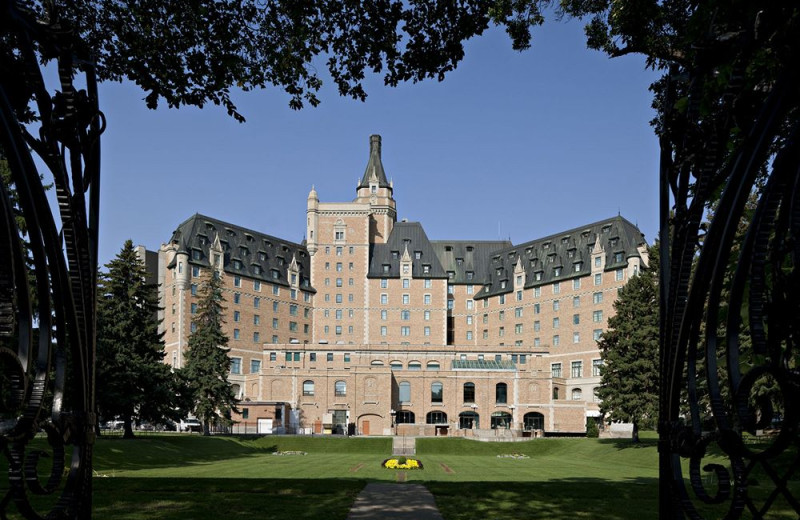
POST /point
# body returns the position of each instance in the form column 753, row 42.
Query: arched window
column 469, row 392
column 468, row 420
column 340, row 389
column 396, row 365
column 555, row 394
column 405, row 417
column 308, row 387
column 577, row 394
column 501, row 420
column 377, row 363
column 436, row 418
column 404, row 394
column 414, row 365
column 436, row 392
column 433, row 365
column 501, row 393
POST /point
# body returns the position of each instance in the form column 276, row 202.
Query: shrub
column 592, row 431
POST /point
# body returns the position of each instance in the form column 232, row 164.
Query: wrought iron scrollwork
column 48, row 265
column 730, row 282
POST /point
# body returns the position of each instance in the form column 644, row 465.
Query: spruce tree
column 207, row 362
column 132, row 379
column 630, row 372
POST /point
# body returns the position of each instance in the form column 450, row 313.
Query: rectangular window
column 194, row 289
column 405, row 315
column 384, row 283
column 236, row 365
column 470, row 305
column 383, row 331
column 469, row 320
column 518, row 312
column 619, row 275
column 255, row 366
column 293, row 326
column 338, row 298
column 576, row 319
column 598, row 261
column 257, row 286
column 406, row 299
column 536, row 308
column 329, row 357
column 555, row 369
column 501, row 315
column 502, row 299
column 293, row 310
column 274, row 323
column 273, row 356
column 237, row 281
column 427, row 283
column 469, row 335
column 598, row 279
column 384, row 315
column 384, row 299
column 576, row 337
column 426, row 299
column 406, row 283
column 556, row 305
column 501, row 332
column 537, row 326
column 256, row 337
column 236, row 316
column 276, row 290
column 338, row 330
column 312, row 356
column 576, row 284
column 556, row 340
column 405, row 331
column 427, row 315
column 576, row 301
column 235, row 333
column 236, row 298
column 596, row 364
column 194, row 308
column 519, row 296
column 597, row 298
column 556, row 323
column 256, row 302
column 596, row 333
column 338, row 314
column 576, row 369
column 346, row 357
column 597, row 316
column 427, row 331
column 557, row 288
column 537, row 292
column 518, row 328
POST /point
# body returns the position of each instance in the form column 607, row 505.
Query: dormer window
column 262, row 256
column 373, row 188
column 577, row 266
column 237, row 264
column 469, row 249
column 197, row 254
column 556, row 271
column 617, row 257
column 470, row 275
column 448, row 248
column 426, row 268
column 385, row 268
column 459, row 261
column 503, row 284
column 538, row 276
column 395, row 255
column 451, row 274
column 243, row 251
column 275, row 274
column 417, row 254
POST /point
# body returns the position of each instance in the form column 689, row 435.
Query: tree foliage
column 630, row 372
column 132, row 380
column 207, row 361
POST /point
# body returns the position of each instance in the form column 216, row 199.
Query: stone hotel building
column 370, row 327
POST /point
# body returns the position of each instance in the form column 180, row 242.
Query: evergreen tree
column 630, row 372
column 132, row 379
column 207, row 362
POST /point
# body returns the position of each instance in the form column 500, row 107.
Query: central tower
column 339, row 238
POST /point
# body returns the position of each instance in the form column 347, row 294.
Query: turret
column 312, row 216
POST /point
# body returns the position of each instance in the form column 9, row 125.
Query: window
column 501, row 315
column 619, row 275
column 274, row 338
column 577, row 369
column 537, row 308
column 340, row 389
column 555, row 369
column 384, row 315
column 273, row 356
column 406, row 299
column 469, row 335
column 576, row 283
column 404, row 392
column 329, row 357
column 237, row 280
column 576, row 319
column 597, row 316
column 308, row 388
column 414, row 365
column 556, row 323
column 557, row 288
column 384, row 299
column 501, row 393
column 235, row 333
column 596, row 364
column 598, row 279
column 576, row 337
column 257, row 285
column 470, row 289
column 338, row 235
column 427, row 283
column 256, row 337
column 384, row 283
column 518, row 328
column 437, row 392
column 556, row 340
column 346, row 357
column 339, row 298
column 556, row 304
column 501, row 332
column 255, row 366
column 470, row 305
column 537, row 326
column 596, row 333
column 194, row 289
column 193, row 307
column 274, row 323
column 405, row 315
column 338, row 250
column 406, row 283
column 236, row 365
column 469, row 392
column 383, row 331
column 276, row 290
column 274, row 306
column 236, row 298
column 502, row 299
column 427, row 315
column 237, row 316
column 195, row 271
column 426, row 299
column 576, row 301
column 405, row 331
column 338, row 314
column 338, row 330
column 537, row 342
column 293, row 310
column 338, row 282
column 256, row 302
column 312, row 356
column 469, row 319
column 519, row 296
column 597, row 297
column 577, row 394
column 598, row 261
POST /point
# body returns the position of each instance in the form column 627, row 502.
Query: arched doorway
column 533, row 421
column 501, row 421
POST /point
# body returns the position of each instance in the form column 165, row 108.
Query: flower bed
column 402, row 463
column 289, row 453
column 513, row 456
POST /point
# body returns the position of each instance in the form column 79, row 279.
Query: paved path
column 404, row 445
column 379, row 501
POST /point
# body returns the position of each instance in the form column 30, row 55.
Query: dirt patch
column 356, row 468
column 446, row 468
column 401, row 477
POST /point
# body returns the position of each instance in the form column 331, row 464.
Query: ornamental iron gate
column 730, row 283
column 48, row 265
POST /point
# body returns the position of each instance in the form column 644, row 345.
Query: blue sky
column 510, row 145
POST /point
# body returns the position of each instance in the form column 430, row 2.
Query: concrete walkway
column 380, row 501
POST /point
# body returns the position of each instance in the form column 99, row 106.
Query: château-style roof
column 410, row 238
column 374, row 172
column 564, row 255
column 246, row 252
column 466, row 262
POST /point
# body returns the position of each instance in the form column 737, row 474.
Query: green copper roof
column 476, row 364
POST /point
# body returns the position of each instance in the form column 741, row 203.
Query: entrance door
column 265, row 426
column 340, row 421
column 365, row 427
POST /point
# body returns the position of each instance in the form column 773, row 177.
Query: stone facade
column 369, row 327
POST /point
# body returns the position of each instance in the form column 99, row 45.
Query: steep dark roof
column 405, row 236
column 247, row 252
column 462, row 257
column 374, row 165
column 570, row 251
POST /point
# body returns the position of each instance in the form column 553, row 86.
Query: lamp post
column 393, row 413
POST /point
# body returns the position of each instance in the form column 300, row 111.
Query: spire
column 374, row 172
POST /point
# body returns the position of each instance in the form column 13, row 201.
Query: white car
column 190, row 425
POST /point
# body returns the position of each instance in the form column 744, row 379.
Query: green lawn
column 185, row 477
